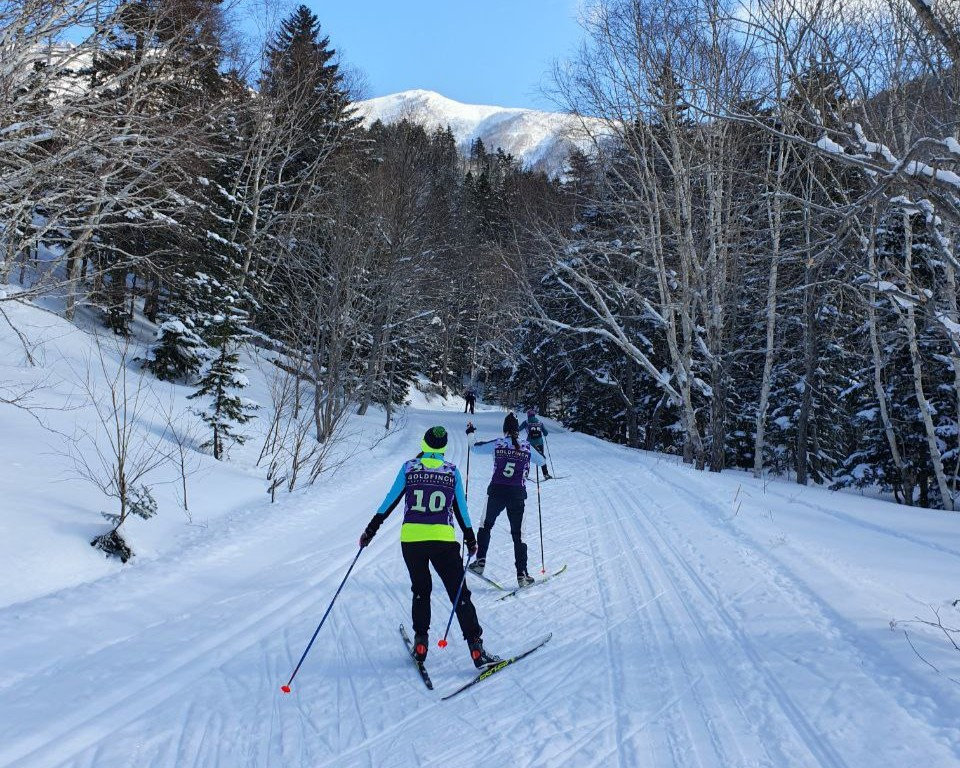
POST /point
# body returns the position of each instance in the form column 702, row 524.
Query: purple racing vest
column 510, row 465
column 430, row 493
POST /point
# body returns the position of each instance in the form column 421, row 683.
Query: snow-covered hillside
column 704, row 620
column 541, row 139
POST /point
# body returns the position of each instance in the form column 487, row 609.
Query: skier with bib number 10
column 432, row 491
column 507, row 491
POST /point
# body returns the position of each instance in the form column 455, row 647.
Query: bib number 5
column 509, row 468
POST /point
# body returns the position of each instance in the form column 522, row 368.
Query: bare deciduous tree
column 121, row 450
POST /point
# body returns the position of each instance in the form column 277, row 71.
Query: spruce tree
column 223, row 378
column 302, row 71
column 179, row 351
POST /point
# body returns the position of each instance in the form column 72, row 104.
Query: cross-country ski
column 540, row 580
column 498, row 667
column 421, row 667
column 484, row 577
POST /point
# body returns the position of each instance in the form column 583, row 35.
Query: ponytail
column 514, row 439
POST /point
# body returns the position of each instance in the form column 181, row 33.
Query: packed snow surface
column 704, row 620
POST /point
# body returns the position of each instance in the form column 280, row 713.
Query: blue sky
column 476, row 51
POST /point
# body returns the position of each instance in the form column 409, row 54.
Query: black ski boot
column 420, row 645
column 481, row 659
column 477, row 566
column 524, row 579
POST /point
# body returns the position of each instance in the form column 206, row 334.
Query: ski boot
column 524, row 579
column 420, row 645
column 477, row 566
column 481, row 659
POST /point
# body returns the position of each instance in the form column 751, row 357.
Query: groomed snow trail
column 704, row 621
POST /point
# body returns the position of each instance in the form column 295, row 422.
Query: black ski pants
column 444, row 556
column 511, row 499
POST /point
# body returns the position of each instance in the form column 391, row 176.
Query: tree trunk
column 878, row 388
column 810, row 346
column 632, row 423
column 911, row 328
column 775, row 219
column 370, row 374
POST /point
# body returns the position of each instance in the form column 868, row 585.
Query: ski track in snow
column 686, row 635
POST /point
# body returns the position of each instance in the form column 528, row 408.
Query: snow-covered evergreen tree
column 223, row 377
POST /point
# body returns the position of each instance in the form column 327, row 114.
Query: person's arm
column 484, row 446
column 389, row 503
column 460, row 503
column 523, row 426
column 536, row 458
column 544, row 428
column 463, row 516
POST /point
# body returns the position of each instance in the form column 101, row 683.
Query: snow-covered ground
column 704, row 620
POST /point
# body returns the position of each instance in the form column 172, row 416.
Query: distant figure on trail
column 536, row 432
column 432, row 491
column 507, row 490
column 470, row 400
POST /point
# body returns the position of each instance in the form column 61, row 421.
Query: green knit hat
column 434, row 440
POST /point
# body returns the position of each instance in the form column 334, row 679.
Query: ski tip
column 442, row 643
column 285, row 688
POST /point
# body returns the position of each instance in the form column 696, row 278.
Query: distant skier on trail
column 432, row 491
column 536, row 432
column 507, row 491
column 470, row 400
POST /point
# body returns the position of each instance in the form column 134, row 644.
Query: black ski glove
column 470, row 541
column 371, row 530
column 470, row 428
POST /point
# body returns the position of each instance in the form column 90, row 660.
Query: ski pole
column 543, row 566
column 466, row 482
column 546, row 446
column 286, row 688
column 442, row 642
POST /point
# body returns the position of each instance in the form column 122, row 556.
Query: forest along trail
column 686, row 632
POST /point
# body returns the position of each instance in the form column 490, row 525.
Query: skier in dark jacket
column 536, row 432
column 470, row 400
column 432, row 492
column 507, row 491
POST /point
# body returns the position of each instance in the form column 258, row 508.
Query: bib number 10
column 437, row 501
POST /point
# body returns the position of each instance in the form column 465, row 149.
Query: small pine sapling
column 140, row 502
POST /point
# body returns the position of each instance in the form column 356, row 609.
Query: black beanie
column 435, row 439
column 510, row 424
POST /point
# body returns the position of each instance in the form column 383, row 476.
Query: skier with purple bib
column 536, row 432
column 432, row 491
column 507, row 491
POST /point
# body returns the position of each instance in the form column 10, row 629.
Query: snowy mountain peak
column 436, row 104
column 539, row 139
